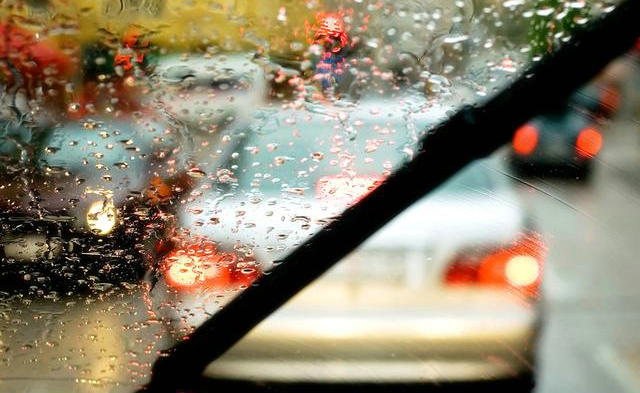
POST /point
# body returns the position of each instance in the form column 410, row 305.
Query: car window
column 159, row 158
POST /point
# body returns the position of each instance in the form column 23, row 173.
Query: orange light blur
column 525, row 139
column 589, row 143
column 134, row 38
column 494, row 269
column 198, row 266
column 158, row 191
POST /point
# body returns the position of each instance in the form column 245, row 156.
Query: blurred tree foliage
column 553, row 22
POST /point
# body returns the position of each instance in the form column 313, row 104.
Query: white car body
column 384, row 314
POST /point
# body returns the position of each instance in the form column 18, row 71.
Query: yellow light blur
column 101, row 217
column 522, row 270
column 186, row 271
column 182, row 272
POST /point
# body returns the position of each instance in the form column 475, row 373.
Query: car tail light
column 350, row 189
column 518, row 265
column 525, row 139
column 589, row 143
column 198, row 266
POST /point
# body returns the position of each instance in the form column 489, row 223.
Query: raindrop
column 280, row 160
column 271, row 147
column 196, row 173
column 453, row 39
column 513, row 3
column 545, row 11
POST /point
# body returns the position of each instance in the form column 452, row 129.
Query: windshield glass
column 286, row 159
column 159, row 157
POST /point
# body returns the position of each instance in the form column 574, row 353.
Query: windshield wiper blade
column 472, row 133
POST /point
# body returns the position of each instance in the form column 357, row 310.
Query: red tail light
column 350, row 189
column 199, row 266
column 525, row 139
column 589, row 143
column 518, row 265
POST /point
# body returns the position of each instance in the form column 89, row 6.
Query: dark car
column 567, row 138
column 90, row 207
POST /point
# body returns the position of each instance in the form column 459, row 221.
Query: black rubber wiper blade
column 472, row 133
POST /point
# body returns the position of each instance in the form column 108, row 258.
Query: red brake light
column 349, row 189
column 525, row 139
column 198, row 266
column 589, row 143
column 518, row 265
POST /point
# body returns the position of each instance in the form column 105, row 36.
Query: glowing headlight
column 102, row 217
column 522, row 270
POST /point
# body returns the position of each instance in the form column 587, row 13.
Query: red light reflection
column 525, row 139
column 589, row 143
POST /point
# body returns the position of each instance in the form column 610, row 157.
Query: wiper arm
column 472, row 133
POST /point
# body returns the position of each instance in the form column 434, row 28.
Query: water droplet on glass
column 196, row 173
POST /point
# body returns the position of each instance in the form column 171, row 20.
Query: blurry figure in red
column 330, row 36
column 134, row 50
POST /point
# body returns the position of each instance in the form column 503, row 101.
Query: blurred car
column 568, row 138
column 92, row 198
column 446, row 292
column 210, row 92
column 85, row 203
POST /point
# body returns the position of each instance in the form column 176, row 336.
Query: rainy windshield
column 275, row 165
column 159, row 157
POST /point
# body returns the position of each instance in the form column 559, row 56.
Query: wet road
column 590, row 340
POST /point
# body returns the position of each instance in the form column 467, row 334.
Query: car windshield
column 173, row 172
